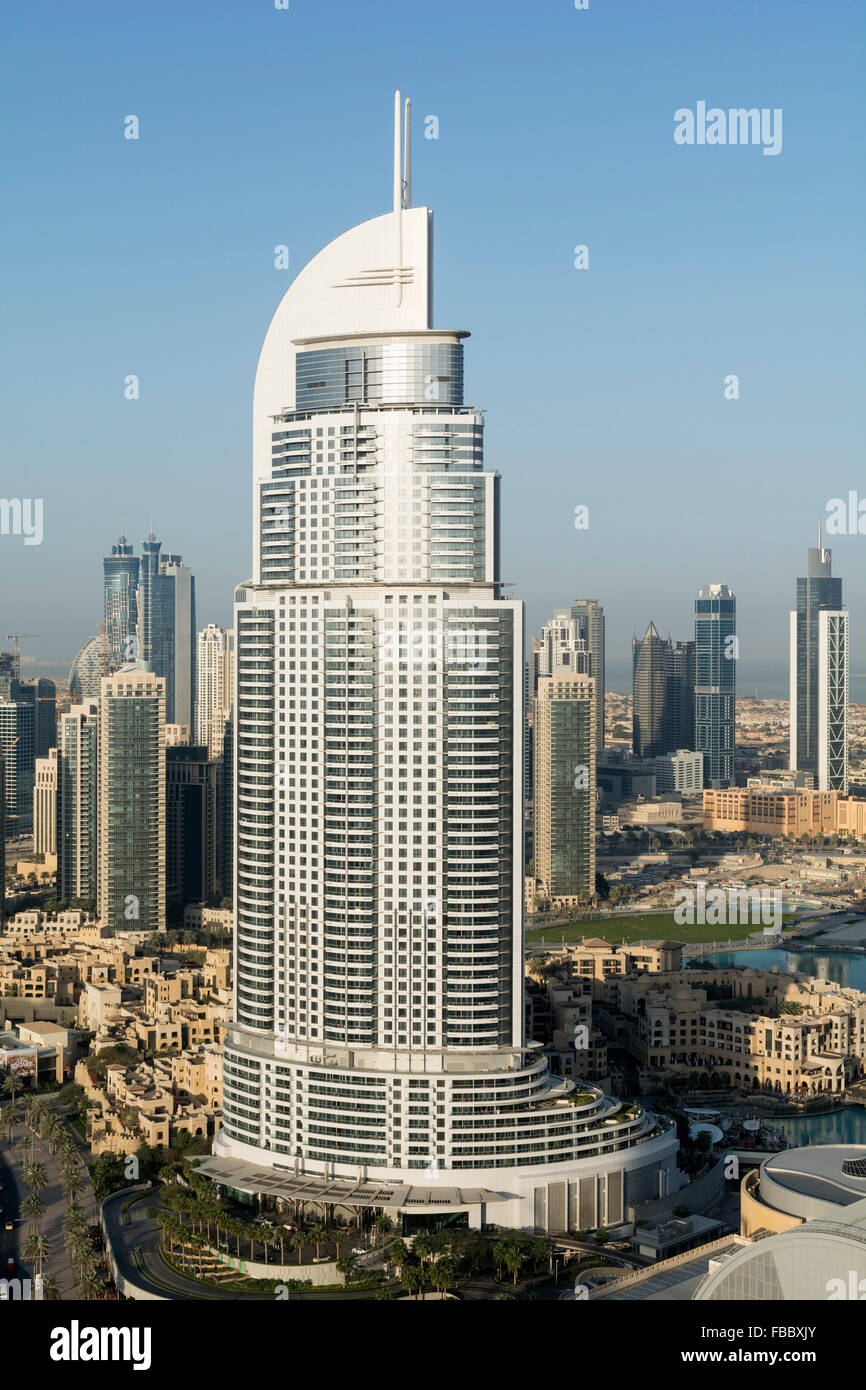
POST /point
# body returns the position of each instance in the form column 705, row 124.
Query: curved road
column 158, row 1278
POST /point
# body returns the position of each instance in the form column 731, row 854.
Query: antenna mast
column 398, row 187
column 407, row 154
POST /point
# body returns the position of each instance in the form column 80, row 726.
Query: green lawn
column 654, row 926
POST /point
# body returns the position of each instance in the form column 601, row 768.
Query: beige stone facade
column 766, row 812
column 677, row 1025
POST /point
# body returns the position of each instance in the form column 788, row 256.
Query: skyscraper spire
column 407, row 153
column 398, row 185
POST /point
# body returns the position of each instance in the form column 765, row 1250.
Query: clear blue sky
column 604, row 387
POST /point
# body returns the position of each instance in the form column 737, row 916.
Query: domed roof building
column 88, row 668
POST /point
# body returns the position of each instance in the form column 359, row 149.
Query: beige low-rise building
column 764, row 811
column 150, row 1103
column 593, row 958
column 814, row 1040
column 851, row 817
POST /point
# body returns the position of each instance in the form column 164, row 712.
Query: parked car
column 10, row 1266
column 358, row 1250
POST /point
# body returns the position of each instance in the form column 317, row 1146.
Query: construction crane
column 16, row 659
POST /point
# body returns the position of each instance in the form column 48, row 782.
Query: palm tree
column 80, row 1252
column 318, row 1235
column 413, row 1277
column 36, row 1248
column 72, row 1180
column 74, row 1222
column 399, row 1253
column 35, row 1175
column 25, row 1147
column 235, row 1228
column 33, row 1208
column 173, row 1230
column 422, row 1248
column 516, row 1255
column 52, row 1129
column 8, row 1120
column 11, row 1085
column 37, row 1113
column 252, row 1234
column 297, row 1240
column 197, row 1243
column 66, row 1144
column 50, row 1289
column 382, row 1225
column 346, row 1267
column 91, row 1284
column 442, row 1274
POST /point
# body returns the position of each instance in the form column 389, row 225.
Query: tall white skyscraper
column 833, row 700
column 819, row 675
column 574, row 641
column 377, row 1055
column 131, row 790
column 214, row 672
column 78, row 801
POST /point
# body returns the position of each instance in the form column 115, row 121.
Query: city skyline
column 432, row 783
column 640, row 343
column 618, row 667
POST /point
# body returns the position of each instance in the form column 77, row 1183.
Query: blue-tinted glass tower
column 716, row 682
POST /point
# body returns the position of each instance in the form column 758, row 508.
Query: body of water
column 838, row 967
column 848, row 1125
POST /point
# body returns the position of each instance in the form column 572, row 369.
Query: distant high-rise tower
column 88, row 669
column 180, row 678
column 46, row 716
column 18, row 743
column 589, row 615
column 2, row 839
column 214, row 670
column 819, row 675
column 152, row 618
column 166, row 627
column 121, row 569
column 42, row 695
column 663, row 695
column 192, row 829
column 716, row 682
column 132, row 800
column 78, row 802
column 530, row 690
column 574, row 640
column 213, row 675
column 562, row 646
column 649, row 669
column 45, row 805
column 564, row 807
column 7, row 671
